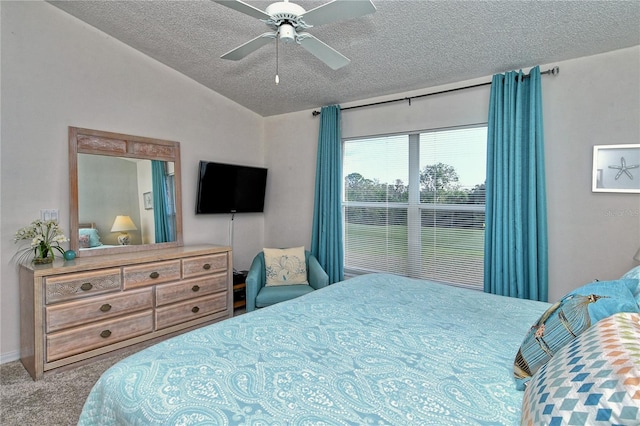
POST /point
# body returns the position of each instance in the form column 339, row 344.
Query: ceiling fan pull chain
column 277, row 43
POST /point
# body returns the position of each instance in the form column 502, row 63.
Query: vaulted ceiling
column 403, row 46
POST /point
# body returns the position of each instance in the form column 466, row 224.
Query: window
column 170, row 197
column 414, row 205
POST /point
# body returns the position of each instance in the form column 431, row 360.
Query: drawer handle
column 105, row 333
column 195, row 309
column 86, row 286
column 154, row 275
column 105, row 308
column 195, row 288
column 206, row 266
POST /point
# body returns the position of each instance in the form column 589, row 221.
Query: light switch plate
column 49, row 214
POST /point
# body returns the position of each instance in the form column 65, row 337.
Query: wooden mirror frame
column 97, row 142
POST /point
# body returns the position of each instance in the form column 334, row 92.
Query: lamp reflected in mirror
column 122, row 224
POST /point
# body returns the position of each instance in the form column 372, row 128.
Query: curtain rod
column 552, row 71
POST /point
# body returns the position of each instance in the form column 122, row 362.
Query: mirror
column 125, row 193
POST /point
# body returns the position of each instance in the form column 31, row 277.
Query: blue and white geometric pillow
column 593, row 380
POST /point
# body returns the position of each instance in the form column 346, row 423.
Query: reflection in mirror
column 125, row 193
column 116, row 186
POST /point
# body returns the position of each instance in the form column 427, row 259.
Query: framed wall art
column 616, row 168
column 148, row 200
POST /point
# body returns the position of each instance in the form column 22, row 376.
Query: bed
column 376, row 349
column 89, row 237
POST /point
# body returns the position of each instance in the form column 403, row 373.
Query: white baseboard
column 9, row 357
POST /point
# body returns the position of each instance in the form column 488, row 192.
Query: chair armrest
column 318, row 278
column 253, row 283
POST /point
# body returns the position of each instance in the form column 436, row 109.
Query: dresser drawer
column 151, row 273
column 202, row 265
column 189, row 289
column 81, row 339
column 60, row 288
column 98, row 308
column 191, row 309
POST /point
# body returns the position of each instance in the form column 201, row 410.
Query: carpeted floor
column 57, row 399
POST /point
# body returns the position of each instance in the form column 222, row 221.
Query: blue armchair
column 259, row 296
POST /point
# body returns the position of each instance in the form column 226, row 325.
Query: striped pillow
column 566, row 320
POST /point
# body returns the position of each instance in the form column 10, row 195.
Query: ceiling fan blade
column 320, row 50
column 245, row 8
column 338, row 10
column 250, row 46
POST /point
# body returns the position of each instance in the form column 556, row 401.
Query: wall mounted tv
column 230, row 188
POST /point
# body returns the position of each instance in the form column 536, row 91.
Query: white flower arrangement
column 45, row 236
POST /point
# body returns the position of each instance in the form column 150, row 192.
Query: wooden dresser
column 72, row 311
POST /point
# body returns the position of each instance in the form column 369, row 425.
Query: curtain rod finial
column 315, row 113
column 555, row 70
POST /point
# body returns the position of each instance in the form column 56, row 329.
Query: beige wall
column 290, row 155
column 99, row 203
column 595, row 100
column 58, row 72
column 61, row 73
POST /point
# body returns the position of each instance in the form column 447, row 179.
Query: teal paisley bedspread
column 372, row 350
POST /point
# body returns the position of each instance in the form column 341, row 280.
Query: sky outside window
column 463, row 149
column 386, row 158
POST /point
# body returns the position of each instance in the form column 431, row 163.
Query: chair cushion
column 285, row 266
column 275, row 294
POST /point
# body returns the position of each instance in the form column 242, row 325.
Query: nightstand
column 239, row 290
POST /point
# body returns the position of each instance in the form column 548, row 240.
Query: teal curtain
column 161, row 212
column 516, row 259
column 326, row 237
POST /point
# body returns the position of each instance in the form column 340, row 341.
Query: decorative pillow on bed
column 285, row 266
column 94, row 237
column 566, row 320
column 634, row 274
column 595, row 379
column 84, row 241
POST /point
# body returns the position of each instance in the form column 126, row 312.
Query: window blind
column 376, row 174
column 414, row 205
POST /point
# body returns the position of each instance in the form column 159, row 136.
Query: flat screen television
column 230, row 188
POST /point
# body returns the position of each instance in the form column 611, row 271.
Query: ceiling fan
column 289, row 21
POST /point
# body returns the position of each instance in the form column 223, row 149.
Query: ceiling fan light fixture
column 287, row 33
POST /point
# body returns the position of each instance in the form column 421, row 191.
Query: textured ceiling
column 405, row 45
